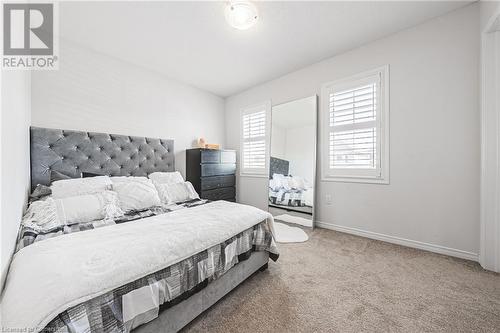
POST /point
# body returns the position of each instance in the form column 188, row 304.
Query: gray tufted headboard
column 277, row 165
column 74, row 152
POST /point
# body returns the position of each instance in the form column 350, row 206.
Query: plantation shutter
column 354, row 127
column 254, row 140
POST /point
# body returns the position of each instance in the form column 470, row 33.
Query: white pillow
column 166, row 177
column 135, row 193
column 80, row 186
column 88, row 207
column 48, row 214
column 274, row 184
column 177, row 192
column 301, row 183
column 292, row 183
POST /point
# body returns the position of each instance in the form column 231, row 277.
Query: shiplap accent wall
column 96, row 92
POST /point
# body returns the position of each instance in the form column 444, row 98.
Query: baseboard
column 400, row 241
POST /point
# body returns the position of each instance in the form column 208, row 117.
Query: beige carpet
column 341, row 283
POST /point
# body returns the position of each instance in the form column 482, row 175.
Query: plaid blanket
column 294, row 198
column 28, row 236
column 140, row 301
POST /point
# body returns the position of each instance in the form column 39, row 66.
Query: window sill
column 363, row 180
column 253, row 175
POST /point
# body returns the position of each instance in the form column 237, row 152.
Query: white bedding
column 48, row 277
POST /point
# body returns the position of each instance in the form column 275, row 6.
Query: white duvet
column 52, row 275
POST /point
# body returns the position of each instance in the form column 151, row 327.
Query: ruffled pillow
column 41, row 216
column 177, row 192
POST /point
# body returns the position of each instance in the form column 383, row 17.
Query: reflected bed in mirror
column 292, row 165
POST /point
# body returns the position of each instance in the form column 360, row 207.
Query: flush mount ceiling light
column 241, row 14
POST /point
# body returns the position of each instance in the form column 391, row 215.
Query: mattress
column 179, row 252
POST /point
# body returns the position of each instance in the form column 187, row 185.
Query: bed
column 97, row 277
column 286, row 191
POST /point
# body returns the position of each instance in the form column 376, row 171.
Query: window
column 254, row 140
column 355, row 123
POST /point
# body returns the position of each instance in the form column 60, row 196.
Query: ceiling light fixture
column 241, row 14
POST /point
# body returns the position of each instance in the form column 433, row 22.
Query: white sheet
column 48, row 277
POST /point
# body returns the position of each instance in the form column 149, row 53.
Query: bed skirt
column 176, row 317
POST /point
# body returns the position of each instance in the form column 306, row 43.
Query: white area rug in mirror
column 294, row 219
column 287, row 234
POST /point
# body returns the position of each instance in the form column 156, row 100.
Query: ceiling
column 191, row 42
column 295, row 114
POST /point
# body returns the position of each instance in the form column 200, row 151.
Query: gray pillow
column 91, row 174
column 39, row 192
column 56, row 175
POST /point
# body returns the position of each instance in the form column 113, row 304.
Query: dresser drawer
column 227, row 193
column 210, row 156
column 210, row 183
column 217, row 169
column 228, row 156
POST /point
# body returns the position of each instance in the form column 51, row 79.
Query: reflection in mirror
column 292, row 165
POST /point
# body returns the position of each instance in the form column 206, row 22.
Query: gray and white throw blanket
column 92, row 303
column 28, row 235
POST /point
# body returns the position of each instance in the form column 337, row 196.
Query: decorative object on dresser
column 202, row 143
column 212, row 146
column 212, row 173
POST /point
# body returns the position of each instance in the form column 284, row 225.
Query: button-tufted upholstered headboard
column 74, row 152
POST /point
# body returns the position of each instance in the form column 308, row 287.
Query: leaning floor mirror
column 292, row 165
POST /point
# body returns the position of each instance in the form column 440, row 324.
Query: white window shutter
column 355, row 125
column 254, row 139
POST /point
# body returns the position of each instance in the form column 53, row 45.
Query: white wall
column 299, row 151
column 94, row 92
column 14, row 166
column 294, row 145
column 487, row 10
column 278, row 141
column 434, row 72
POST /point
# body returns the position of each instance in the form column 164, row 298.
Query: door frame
column 489, row 252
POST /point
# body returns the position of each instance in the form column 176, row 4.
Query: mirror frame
column 315, row 159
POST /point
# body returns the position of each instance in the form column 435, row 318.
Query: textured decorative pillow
column 135, row 193
column 80, row 186
column 88, row 207
column 166, row 177
column 177, row 192
column 42, row 216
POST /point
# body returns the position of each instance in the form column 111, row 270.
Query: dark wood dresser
column 212, row 173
